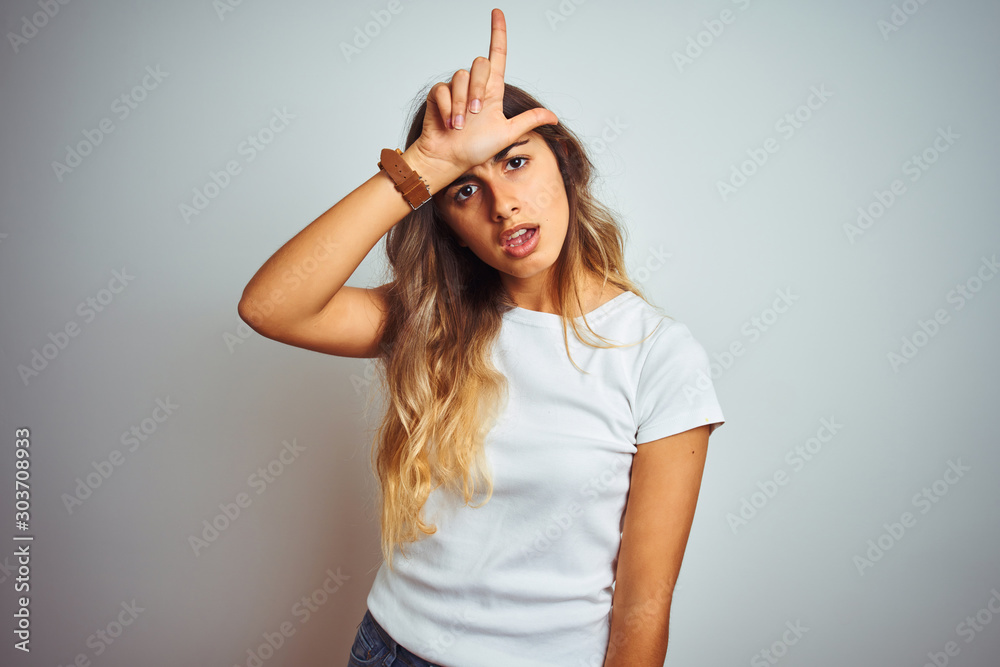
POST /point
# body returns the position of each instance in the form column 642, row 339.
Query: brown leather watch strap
column 414, row 190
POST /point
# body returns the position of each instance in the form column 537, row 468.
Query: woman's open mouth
column 522, row 243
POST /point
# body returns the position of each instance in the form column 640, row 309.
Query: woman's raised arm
column 298, row 296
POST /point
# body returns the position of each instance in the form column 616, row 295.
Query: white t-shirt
column 526, row 579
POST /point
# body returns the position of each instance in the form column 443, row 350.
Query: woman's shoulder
column 598, row 297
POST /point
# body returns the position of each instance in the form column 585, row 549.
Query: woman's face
column 520, row 188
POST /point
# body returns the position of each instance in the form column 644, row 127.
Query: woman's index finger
column 498, row 44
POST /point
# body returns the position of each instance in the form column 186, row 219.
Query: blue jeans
column 373, row 646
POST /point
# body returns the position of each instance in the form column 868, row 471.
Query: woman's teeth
column 516, row 235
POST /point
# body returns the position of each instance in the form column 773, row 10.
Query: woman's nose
column 506, row 201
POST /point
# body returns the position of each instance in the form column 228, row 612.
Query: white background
column 664, row 133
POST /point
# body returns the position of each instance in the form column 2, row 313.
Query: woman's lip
column 505, row 236
column 525, row 248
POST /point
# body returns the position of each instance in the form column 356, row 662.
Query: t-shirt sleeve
column 675, row 391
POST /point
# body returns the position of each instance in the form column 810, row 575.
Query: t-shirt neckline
column 519, row 314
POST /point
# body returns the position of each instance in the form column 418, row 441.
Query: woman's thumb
column 527, row 121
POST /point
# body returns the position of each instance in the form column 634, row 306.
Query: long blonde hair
column 441, row 390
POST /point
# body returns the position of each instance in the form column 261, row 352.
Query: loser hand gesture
column 464, row 124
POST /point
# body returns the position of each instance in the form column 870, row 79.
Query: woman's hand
column 464, row 124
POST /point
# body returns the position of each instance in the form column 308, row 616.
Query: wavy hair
column 442, row 393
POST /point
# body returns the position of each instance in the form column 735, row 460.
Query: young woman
column 537, row 488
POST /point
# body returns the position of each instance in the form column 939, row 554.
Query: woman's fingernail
column 459, row 122
column 476, row 106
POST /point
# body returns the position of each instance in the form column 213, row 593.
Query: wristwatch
column 413, row 188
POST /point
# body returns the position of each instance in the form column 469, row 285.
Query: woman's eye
column 520, row 161
column 458, row 193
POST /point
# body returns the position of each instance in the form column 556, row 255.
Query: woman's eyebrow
column 496, row 158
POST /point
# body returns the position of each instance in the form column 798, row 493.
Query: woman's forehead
column 528, row 141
